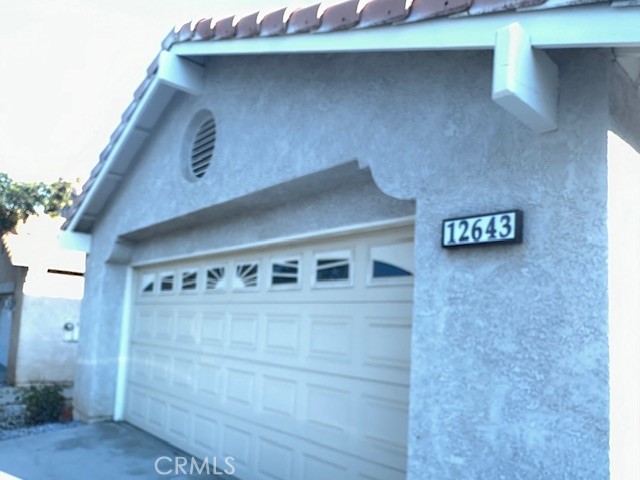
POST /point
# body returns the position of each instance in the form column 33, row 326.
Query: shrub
column 42, row 403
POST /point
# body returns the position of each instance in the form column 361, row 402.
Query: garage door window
column 148, row 283
column 189, row 280
column 246, row 276
column 333, row 268
column 285, row 273
column 166, row 282
column 391, row 263
column 215, row 279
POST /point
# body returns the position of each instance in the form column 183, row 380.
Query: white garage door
column 293, row 360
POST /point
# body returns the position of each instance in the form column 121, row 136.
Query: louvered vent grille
column 202, row 150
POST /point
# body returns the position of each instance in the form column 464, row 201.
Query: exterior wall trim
column 328, row 233
column 75, row 241
column 174, row 74
column 123, row 356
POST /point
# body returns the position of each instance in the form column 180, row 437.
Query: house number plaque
column 489, row 228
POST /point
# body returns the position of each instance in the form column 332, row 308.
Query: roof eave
column 585, row 26
column 174, row 74
column 582, row 26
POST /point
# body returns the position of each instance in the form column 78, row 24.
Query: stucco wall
column 43, row 355
column 43, row 302
column 6, row 314
column 509, row 372
column 39, row 352
column 20, row 274
column 6, row 268
column 6, row 292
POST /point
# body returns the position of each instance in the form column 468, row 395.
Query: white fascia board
column 572, row 27
column 75, row 241
column 178, row 73
column 120, row 144
column 525, row 81
column 283, row 241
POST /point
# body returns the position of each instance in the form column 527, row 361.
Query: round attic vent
column 202, row 147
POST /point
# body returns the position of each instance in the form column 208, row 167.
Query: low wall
column 43, row 354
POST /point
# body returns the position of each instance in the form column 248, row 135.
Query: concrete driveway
column 98, row 451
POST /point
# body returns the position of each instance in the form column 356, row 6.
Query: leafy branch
column 19, row 200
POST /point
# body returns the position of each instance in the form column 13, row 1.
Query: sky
column 68, row 69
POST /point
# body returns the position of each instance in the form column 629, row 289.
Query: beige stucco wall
column 6, row 269
column 49, row 300
column 43, row 303
column 43, row 355
column 6, row 284
column 20, row 274
column 5, row 331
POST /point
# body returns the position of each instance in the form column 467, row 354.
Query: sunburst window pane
column 246, row 275
column 215, row 278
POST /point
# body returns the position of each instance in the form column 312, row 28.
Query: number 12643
column 499, row 227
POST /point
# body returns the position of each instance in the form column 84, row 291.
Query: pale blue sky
column 68, row 69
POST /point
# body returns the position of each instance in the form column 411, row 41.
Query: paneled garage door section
column 293, row 360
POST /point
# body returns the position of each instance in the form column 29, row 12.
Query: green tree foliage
column 18, row 200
